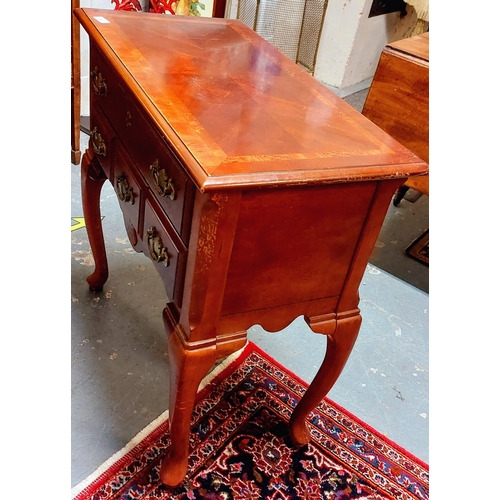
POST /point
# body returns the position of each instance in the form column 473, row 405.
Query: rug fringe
column 119, row 455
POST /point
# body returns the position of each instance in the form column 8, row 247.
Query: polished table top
column 237, row 111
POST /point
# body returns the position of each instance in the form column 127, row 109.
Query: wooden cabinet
column 257, row 193
column 398, row 99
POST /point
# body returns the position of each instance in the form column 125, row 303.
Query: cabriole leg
column 92, row 178
column 187, row 369
column 338, row 349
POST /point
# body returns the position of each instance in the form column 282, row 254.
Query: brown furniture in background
column 219, row 9
column 75, row 86
column 257, row 193
column 398, row 100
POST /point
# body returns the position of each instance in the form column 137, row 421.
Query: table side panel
column 294, row 245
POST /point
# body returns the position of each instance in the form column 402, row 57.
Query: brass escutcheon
column 128, row 119
column 98, row 142
column 125, row 191
column 99, row 83
column 156, row 249
column 164, row 185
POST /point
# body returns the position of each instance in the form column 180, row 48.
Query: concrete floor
column 119, row 350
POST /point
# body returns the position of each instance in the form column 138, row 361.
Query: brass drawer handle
column 125, row 191
column 99, row 83
column 164, row 185
column 98, row 142
column 156, row 249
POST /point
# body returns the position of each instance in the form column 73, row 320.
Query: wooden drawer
column 129, row 193
column 105, row 89
column 102, row 138
column 152, row 155
column 166, row 179
column 165, row 248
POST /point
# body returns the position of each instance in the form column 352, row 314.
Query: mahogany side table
column 257, row 193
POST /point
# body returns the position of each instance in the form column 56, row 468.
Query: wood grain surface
column 238, row 112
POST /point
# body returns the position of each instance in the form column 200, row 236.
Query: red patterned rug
column 240, row 448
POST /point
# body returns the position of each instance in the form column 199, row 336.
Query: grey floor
column 119, row 350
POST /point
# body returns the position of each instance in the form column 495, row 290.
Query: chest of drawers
column 256, row 192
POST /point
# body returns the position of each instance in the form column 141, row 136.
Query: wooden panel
column 211, row 100
column 398, row 101
column 286, row 244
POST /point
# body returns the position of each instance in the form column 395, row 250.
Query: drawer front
column 105, row 89
column 156, row 162
column 167, row 251
column 129, row 193
column 168, row 183
column 102, row 139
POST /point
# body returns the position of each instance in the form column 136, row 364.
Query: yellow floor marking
column 80, row 222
